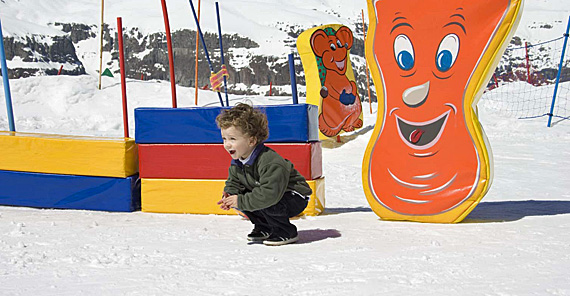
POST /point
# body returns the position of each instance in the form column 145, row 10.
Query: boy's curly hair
column 248, row 120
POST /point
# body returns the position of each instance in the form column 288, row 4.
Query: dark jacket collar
column 253, row 157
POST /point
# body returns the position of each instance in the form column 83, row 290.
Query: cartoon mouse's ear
column 344, row 34
column 319, row 42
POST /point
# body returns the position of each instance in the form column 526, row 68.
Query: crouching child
column 262, row 184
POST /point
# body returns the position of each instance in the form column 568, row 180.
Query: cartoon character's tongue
column 416, row 135
column 422, row 135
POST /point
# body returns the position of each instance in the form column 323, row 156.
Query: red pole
column 170, row 56
column 270, row 88
column 142, row 76
column 123, row 82
column 60, row 68
column 496, row 82
column 527, row 64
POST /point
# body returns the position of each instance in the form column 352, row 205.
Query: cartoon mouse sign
column 329, row 76
column 427, row 159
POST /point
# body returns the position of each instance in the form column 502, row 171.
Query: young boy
column 262, row 184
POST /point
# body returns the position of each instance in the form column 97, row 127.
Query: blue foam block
column 68, row 192
column 287, row 123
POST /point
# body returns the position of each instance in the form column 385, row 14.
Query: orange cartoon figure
column 340, row 106
column 427, row 159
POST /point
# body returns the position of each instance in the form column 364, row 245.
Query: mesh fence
column 524, row 82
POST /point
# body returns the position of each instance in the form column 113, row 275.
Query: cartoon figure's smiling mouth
column 421, row 135
column 340, row 65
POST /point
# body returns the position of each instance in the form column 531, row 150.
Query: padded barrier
column 201, row 196
column 287, row 123
column 211, row 161
column 68, row 155
column 68, row 192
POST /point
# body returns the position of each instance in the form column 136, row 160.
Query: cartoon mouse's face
column 425, row 160
column 333, row 49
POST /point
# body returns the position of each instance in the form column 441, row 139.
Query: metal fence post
column 293, row 79
column 558, row 75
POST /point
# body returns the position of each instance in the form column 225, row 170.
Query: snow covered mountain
column 42, row 36
column 258, row 35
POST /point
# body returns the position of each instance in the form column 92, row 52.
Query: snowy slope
column 543, row 20
column 260, row 20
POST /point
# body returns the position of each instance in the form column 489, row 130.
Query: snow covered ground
column 515, row 242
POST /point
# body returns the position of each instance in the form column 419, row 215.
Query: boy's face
column 237, row 143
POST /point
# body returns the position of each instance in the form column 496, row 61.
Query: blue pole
column 293, row 79
column 222, row 52
column 204, row 45
column 558, row 75
column 6, row 82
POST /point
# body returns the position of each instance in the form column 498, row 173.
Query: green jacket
column 262, row 181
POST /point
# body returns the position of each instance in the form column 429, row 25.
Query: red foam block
column 211, row 161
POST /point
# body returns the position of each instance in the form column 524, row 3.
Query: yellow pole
column 196, row 64
column 366, row 65
column 101, row 44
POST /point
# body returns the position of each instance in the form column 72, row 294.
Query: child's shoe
column 279, row 240
column 257, row 235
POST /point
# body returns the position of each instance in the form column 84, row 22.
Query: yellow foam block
column 69, row 155
column 317, row 202
column 193, row 196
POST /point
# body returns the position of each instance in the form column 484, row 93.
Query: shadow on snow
column 333, row 211
column 506, row 211
column 487, row 212
column 313, row 235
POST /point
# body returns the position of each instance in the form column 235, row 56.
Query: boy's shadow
column 508, row 211
column 314, row 235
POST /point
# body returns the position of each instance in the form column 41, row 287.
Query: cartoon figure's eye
column 404, row 52
column 338, row 43
column 447, row 52
column 346, row 45
column 333, row 47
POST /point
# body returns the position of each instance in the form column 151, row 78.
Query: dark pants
column 275, row 218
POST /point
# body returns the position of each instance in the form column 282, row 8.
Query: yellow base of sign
column 68, row 155
column 190, row 196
